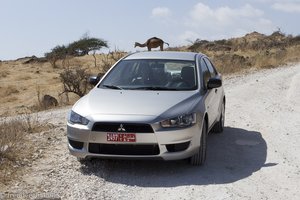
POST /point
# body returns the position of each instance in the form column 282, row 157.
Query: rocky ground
column 257, row 156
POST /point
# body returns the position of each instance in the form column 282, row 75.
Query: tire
column 219, row 126
column 200, row 156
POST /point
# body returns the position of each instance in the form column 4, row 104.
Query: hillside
column 254, row 50
column 24, row 81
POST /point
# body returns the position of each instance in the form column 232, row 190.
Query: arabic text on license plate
column 121, row 137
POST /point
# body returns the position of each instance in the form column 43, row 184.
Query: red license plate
column 121, row 137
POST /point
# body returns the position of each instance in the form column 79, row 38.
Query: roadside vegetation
column 17, row 148
column 77, row 48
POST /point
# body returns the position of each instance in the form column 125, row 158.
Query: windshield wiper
column 153, row 88
column 113, row 87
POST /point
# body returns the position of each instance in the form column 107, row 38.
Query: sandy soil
column 257, row 156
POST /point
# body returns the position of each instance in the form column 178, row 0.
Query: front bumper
column 163, row 143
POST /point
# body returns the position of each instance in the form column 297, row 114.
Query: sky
column 34, row 27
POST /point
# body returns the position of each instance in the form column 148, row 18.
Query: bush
column 108, row 60
column 12, row 133
column 57, row 53
column 75, row 81
column 15, row 147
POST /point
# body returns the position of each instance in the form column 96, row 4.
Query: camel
column 153, row 42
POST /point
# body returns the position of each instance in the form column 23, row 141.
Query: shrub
column 75, row 81
column 109, row 59
column 15, row 147
column 57, row 53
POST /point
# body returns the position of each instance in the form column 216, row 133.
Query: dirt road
column 257, row 156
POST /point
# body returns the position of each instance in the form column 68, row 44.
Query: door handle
column 216, row 90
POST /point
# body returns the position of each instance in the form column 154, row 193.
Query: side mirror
column 214, row 82
column 93, row 80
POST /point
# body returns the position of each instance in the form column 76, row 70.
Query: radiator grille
column 122, row 127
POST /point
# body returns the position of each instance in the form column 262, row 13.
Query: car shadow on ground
column 233, row 155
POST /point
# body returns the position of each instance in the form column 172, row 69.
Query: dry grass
column 12, row 138
column 9, row 90
column 4, row 74
column 16, row 148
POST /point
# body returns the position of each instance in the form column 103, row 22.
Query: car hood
column 101, row 104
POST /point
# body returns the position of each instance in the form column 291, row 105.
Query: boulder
column 49, row 101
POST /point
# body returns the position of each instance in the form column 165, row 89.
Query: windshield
column 152, row 75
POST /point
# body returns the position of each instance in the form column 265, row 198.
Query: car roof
column 174, row 55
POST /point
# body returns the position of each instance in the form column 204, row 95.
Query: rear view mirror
column 214, row 82
column 93, row 80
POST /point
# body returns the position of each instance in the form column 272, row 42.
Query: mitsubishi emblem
column 121, row 128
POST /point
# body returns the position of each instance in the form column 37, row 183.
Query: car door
column 210, row 94
column 216, row 92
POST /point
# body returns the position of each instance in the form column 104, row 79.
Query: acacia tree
column 85, row 45
column 77, row 48
column 57, row 53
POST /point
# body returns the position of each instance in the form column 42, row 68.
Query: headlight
column 180, row 121
column 75, row 118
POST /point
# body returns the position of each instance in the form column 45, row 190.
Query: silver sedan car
column 150, row 105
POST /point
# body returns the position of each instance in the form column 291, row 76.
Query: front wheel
column 200, row 156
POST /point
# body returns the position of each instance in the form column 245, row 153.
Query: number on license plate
column 121, row 137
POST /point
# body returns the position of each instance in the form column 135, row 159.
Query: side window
column 210, row 68
column 205, row 72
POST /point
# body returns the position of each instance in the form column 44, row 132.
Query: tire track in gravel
column 293, row 94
